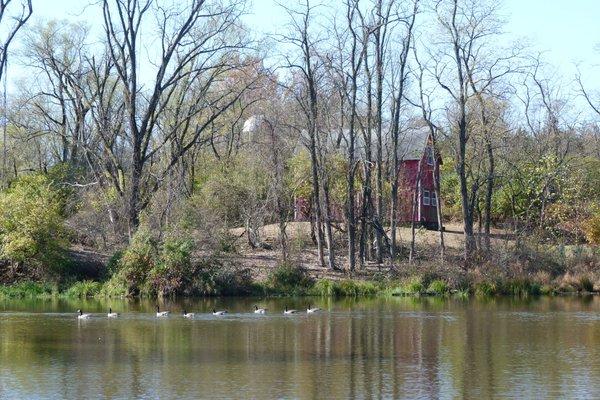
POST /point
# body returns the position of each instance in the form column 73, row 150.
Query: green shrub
column 462, row 283
column 592, row 227
column 413, row 285
column 462, row 293
column 145, row 268
column 535, row 289
column 136, row 262
column 486, row 289
column 409, row 286
column 547, row 290
column 226, row 278
column 114, row 262
column 349, row 288
column 171, row 275
column 31, row 224
column 231, row 190
column 84, row 289
column 214, row 277
column 27, row 290
column 116, row 286
column 289, row 279
column 438, row 287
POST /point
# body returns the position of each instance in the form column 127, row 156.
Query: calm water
column 379, row 348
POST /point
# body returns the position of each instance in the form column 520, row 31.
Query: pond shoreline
column 414, row 286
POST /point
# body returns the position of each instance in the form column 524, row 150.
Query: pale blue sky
column 567, row 32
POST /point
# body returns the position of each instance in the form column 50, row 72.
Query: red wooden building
column 418, row 174
column 416, row 154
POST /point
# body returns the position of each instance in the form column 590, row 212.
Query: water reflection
column 374, row 348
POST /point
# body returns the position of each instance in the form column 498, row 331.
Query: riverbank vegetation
column 215, row 278
column 214, row 173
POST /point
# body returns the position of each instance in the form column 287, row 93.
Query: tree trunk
column 415, row 203
column 488, row 195
column 328, row 229
column 379, row 35
column 4, row 176
column 365, row 214
column 283, row 237
column 436, row 188
column 379, row 172
column 134, row 196
column 467, row 212
column 351, row 228
column 393, row 215
column 313, row 224
column 318, row 220
column 466, row 205
column 367, row 203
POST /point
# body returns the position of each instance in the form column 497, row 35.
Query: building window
column 429, row 155
column 433, row 199
column 426, row 198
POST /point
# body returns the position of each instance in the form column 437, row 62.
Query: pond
column 364, row 348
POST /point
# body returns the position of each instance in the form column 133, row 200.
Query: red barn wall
column 406, row 188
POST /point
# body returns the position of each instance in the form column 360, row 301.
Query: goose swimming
column 161, row 314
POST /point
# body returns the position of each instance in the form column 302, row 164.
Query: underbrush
column 84, row 289
column 222, row 279
column 345, row 288
column 28, row 290
column 151, row 269
column 288, row 278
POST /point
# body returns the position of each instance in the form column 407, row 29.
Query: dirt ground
column 305, row 253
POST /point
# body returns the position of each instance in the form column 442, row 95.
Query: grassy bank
column 294, row 281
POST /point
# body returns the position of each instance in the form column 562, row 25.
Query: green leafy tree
column 31, row 223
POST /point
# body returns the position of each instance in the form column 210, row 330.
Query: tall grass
column 413, row 285
column 28, row 290
column 438, row 287
column 84, row 289
column 347, row 288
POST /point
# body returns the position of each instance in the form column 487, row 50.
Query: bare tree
column 269, row 130
column 60, row 96
column 484, row 78
column 425, row 104
column 381, row 31
column 402, row 74
column 307, row 97
column 468, row 28
column 368, row 215
column 198, row 46
column 12, row 24
column 355, row 58
column 594, row 104
column 546, row 121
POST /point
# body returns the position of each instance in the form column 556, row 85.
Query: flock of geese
column 164, row 314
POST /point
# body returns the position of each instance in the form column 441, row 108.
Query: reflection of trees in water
column 374, row 348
